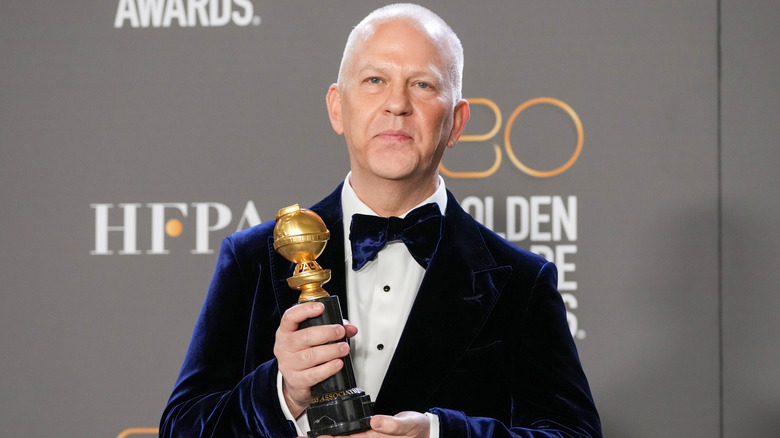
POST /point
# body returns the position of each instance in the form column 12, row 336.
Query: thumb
column 384, row 424
column 404, row 423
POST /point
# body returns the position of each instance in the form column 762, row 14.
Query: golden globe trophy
column 338, row 406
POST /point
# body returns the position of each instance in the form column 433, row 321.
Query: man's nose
column 398, row 102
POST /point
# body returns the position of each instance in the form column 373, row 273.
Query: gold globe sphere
column 300, row 236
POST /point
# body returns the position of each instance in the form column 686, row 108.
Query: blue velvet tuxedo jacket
column 486, row 346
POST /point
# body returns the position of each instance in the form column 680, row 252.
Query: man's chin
column 395, row 175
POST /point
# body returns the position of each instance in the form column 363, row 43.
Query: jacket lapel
column 457, row 294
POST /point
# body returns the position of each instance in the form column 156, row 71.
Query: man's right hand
column 304, row 356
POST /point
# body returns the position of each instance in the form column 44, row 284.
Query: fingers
column 350, row 329
column 297, row 314
column 312, row 336
column 408, row 424
column 295, row 340
column 308, row 367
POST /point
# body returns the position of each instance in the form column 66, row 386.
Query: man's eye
column 374, row 81
column 423, row 85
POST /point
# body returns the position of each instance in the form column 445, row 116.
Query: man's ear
column 460, row 116
column 333, row 100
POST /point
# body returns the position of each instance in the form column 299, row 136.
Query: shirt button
column 380, row 347
column 386, row 288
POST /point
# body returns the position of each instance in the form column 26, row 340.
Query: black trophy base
column 339, row 406
column 344, row 415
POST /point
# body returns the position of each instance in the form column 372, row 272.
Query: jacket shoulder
column 507, row 252
column 253, row 236
column 249, row 248
column 484, row 247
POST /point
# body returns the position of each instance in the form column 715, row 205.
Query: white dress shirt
column 379, row 298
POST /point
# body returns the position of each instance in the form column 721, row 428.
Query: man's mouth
column 396, row 135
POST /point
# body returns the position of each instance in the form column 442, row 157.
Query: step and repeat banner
column 136, row 134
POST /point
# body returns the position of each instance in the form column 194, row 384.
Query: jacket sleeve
column 215, row 396
column 550, row 393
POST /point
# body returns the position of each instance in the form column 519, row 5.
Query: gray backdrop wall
column 133, row 139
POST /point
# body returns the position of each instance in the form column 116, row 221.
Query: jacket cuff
column 268, row 411
column 451, row 423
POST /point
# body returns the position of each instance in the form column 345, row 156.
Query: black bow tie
column 420, row 230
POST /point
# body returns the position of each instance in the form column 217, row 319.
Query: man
column 469, row 339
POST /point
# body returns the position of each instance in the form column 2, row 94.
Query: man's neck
column 393, row 198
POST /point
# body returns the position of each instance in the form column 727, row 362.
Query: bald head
column 430, row 24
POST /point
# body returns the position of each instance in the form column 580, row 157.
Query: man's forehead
column 394, row 36
column 400, row 27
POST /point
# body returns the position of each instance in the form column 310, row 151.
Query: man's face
column 395, row 106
